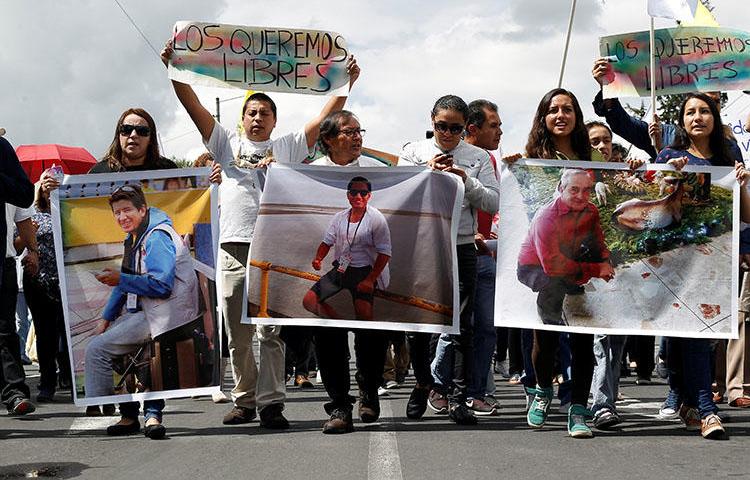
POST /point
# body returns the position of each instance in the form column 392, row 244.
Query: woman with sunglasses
column 699, row 140
column 559, row 133
column 447, row 152
column 135, row 147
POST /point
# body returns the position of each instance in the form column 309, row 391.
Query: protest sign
column 743, row 136
column 265, row 59
column 412, row 217
column 688, row 59
column 650, row 253
column 158, row 294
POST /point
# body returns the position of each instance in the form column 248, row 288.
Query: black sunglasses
column 140, row 130
column 361, row 193
column 453, row 128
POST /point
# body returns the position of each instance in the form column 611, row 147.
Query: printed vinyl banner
column 596, row 248
column 266, row 59
column 137, row 256
column 689, row 59
column 407, row 233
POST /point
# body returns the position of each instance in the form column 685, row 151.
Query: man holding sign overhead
column 240, row 198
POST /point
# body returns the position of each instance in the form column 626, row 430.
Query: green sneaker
column 537, row 413
column 577, row 427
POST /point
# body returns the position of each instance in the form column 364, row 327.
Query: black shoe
column 239, row 415
column 461, row 414
column 155, row 432
column 45, row 396
column 271, row 417
column 369, row 408
column 417, row 404
column 120, row 429
column 340, row 422
column 20, row 406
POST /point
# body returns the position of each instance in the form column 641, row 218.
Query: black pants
column 332, row 350
column 421, row 352
column 582, row 365
column 641, row 350
column 515, row 351
column 299, row 348
column 12, row 377
column 51, row 341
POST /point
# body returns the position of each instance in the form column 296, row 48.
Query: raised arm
column 201, row 117
column 335, row 104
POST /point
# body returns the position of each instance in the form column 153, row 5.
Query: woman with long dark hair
column 558, row 132
column 699, row 140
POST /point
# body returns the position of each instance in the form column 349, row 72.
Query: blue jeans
column 689, row 363
column 606, row 381
column 151, row 409
column 485, row 336
column 442, row 365
column 23, row 322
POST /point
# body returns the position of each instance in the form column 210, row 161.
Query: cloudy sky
column 70, row 68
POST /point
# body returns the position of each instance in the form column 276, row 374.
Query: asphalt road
column 58, row 441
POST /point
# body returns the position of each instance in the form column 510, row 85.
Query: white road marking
column 384, row 462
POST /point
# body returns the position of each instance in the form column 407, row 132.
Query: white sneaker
column 220, row 397
column 382, row 392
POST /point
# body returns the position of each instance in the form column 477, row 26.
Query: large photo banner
column 596, row 248
column 267, row 59
column 366, row 247
column 136, row 254
column 689, row 59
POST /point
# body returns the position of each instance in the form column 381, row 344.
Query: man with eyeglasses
column 240, row 200
column 362, row 248
column 340, row 140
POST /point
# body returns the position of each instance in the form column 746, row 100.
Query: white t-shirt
column 239, row 192
column 13, row 215
column 363, row 240
column 360, row 161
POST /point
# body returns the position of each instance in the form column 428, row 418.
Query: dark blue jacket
column 635, row 130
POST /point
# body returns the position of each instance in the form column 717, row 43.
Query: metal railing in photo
column 267, row 267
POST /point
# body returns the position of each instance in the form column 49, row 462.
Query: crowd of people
column 454, row 374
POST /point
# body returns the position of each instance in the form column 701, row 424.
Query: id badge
column 132, row 302
column 344, row 262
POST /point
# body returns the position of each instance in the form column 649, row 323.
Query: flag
column 703, row 18
column 675, row 9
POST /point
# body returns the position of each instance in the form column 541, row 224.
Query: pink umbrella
column 37, row 158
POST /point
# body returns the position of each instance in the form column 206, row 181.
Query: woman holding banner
column 134, row 147
column 558, row 132
column 447, row 152
column 699, row 140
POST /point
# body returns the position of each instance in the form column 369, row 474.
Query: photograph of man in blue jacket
column 155, row 290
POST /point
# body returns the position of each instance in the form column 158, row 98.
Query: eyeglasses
column 124, row 188
column 140, row 130
column 361, row 193
column 352, row 132
column 453, row 128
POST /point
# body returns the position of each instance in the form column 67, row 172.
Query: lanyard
column 355, row 230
